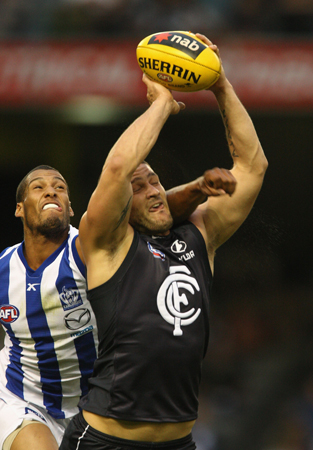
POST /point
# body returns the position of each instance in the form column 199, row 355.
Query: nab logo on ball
column 179, row 41
column 8, row 314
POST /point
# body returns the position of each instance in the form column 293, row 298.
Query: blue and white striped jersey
column 51, row 337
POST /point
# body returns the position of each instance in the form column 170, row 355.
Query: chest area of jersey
column 29, row 301
column 162, row 291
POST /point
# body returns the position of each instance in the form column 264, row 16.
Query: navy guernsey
column 153, row 325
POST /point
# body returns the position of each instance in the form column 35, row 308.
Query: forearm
column 243, row 142
column 184, row 199
column 137, row 141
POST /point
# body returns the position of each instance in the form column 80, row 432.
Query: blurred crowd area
column 122, row 18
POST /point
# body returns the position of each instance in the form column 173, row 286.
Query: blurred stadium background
column 70, row 85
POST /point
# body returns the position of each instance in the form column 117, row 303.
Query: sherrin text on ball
column 178, row 60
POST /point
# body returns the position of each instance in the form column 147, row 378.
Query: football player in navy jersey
column 51, row 334
column 149, row 282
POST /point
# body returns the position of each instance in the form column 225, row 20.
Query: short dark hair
column 21, row 188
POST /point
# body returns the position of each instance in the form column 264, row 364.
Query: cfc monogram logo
column 169, row 299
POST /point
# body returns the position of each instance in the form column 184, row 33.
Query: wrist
column 166, row 102
column 221, row 87
column 199, row 189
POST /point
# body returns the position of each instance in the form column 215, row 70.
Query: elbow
column 256, row 164
column 115, row 168
column 264, row 161
column 263, row 165
column 260, row 168
column 259, row 162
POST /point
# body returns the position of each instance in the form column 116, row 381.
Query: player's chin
column 162, row 223
column 53, row 225
column 153, row 223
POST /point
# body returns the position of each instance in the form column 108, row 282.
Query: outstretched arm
column 104, row 233
column 219, row 217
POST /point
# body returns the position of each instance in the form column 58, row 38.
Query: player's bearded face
column 46, row 207
column 150, row 213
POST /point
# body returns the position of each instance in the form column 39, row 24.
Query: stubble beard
column 51, row 228
column 145, row 225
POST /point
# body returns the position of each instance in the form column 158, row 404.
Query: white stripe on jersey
column 8, row 250
column 50, row 348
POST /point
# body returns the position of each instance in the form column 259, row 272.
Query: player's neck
column 38, row 248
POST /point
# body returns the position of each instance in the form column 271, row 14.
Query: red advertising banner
column 265, row 74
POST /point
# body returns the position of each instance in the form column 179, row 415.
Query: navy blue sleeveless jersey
column 153, row 325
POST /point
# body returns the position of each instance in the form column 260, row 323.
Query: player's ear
column 19, row 211
column 71, row 211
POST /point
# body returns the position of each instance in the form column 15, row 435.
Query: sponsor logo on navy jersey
column 70, row 298
column 187, row 256
column 178, row 246
column 180, row 41
column 9, row 313
column 156, row 253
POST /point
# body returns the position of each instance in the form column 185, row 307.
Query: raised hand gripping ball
column 178, row 60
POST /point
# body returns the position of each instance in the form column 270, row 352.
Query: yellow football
column 178, row 60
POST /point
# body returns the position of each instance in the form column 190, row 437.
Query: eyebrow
column 42, row 178
column 151, row 174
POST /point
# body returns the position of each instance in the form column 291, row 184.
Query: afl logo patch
column 178, row 246
column 156, row 253
column 77, row 319
column 8, row 314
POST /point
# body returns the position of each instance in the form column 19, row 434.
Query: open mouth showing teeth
column 156, row 206
column 50, row 205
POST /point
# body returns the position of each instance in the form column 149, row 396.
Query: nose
column 152, row 191
column 50, row 191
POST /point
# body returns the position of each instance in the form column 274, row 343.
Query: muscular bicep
column 104, row 224
column 220, row 217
